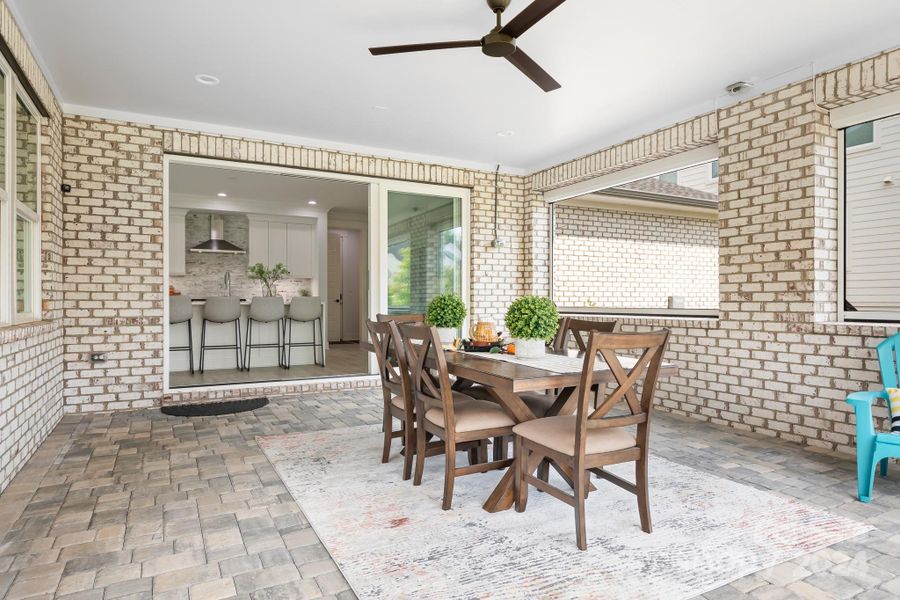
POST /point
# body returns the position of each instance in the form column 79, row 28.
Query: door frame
column 408, row 187
column 376, row 234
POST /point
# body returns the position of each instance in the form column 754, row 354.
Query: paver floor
column 140, row 505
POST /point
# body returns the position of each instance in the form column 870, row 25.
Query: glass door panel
column 425, row 255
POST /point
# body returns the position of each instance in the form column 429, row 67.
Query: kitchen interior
column 267, row 275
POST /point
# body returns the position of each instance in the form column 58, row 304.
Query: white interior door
column 335, row 287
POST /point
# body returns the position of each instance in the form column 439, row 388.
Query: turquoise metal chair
column 873, row 448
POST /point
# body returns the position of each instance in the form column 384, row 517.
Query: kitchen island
column 223, row 334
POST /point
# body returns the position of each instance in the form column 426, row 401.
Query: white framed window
column 869, row 220
column 20, row 202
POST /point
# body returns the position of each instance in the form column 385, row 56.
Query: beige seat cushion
column 472, row 415
column 558, row 433
column 398, row 402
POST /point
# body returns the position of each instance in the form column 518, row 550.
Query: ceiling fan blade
column 421, row 47
column 532, row 13
column 524, row 63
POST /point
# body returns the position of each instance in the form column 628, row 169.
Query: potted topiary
column 446, row 312
column 532, row 322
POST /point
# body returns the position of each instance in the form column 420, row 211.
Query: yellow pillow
column 894, row 405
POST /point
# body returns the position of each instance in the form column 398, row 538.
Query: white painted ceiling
column 193, row 186
column 302, row 70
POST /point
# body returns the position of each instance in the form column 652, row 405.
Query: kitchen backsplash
column 205, row 273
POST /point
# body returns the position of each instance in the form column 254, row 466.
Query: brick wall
column 113, row 247
column 772, row 362
column 616, row 259
column 31, row 354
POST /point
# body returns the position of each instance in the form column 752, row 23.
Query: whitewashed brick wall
column 616, row 259
column 772, row 363
column 30, row 354
column 113, row 247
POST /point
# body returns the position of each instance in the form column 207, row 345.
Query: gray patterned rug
column 392, row 540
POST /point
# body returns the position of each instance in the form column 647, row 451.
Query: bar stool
column 222, row 310
column 181, row 311
column 304, row 309
column 265, row 310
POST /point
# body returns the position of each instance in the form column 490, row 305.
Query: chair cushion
column 398, row 402
column 472, row 415
column 558, row 433
column 894, row 406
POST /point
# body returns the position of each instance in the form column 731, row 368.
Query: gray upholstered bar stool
column 180, row 311
column 265, row 310
column 304, row 309
column 222, row 310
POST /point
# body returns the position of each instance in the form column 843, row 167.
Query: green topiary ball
column 532, row 318
column 446, row 310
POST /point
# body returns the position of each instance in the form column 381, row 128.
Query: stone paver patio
column 139, row 505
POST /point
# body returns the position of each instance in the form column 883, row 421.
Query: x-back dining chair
column 395, row 385
column 457, row 419
column 589, row 440
column 401, row 319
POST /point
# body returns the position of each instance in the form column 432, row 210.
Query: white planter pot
column 529, row 348
column 446, row 334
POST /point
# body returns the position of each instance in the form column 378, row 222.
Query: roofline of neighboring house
column 662, row 198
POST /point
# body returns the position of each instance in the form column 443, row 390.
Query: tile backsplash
column 205, row 273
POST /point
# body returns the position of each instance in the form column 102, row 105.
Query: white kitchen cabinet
column 289, row 240
column 258, row 242
column 177, row 241
column 278, row 243
column 301, row 250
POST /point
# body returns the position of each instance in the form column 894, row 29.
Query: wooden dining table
column 506, row 380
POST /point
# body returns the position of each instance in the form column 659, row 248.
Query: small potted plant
column 446, row 312
column 268, row 277
column 532, row 322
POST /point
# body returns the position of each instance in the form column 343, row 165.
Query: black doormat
column 211, row 409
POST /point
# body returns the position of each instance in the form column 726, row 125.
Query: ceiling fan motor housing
column 498, row 5
column 498, row 44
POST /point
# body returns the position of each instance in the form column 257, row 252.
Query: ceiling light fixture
column 206, row 79
column 381, row 107
column 313, row 202
column 222, row 195
column 507, row 133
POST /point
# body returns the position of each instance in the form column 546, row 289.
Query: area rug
column 392, row 540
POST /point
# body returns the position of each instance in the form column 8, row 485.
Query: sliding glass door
column 426, row 250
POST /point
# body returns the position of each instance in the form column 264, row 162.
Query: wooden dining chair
column 451, row 416
column 401, row 319
column 590, row 439
column 395, row 384
column 578, row 330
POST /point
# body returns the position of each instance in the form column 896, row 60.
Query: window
column 639, row 247
column 398, row 267
column 870, row 240
column 20, row 203
column 857, row 135
column 714, row 169
column 671, row 177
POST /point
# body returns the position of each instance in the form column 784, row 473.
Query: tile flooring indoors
column 340, row 360
column 139, row 505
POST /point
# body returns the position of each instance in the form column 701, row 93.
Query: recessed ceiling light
column 206, row 79
column 222, row 195
column 506, row 133
column 313, row 202
column 381, row 107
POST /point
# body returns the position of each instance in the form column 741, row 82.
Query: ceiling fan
column 500, row 42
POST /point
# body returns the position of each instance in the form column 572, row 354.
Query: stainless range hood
column 216, row 244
